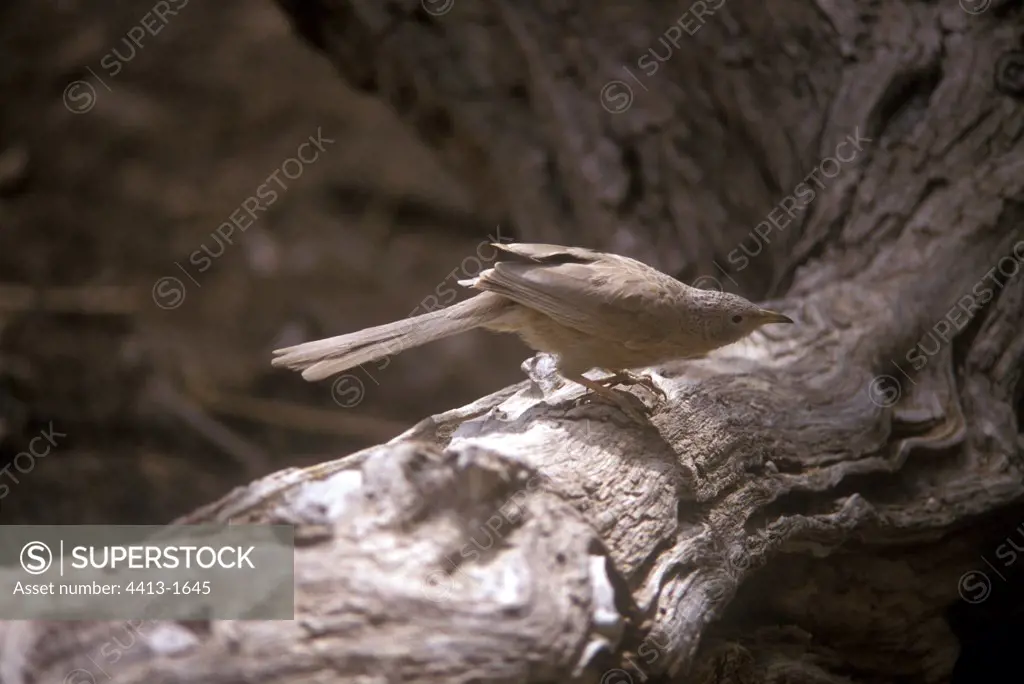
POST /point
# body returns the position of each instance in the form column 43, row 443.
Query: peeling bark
column 805, row 504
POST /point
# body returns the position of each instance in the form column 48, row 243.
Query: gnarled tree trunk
column 807, row 506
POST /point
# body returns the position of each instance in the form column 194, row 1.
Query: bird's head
column 728, row 317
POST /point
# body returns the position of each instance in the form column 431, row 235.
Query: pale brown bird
column 587, row 309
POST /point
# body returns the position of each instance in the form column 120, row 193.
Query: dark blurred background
column 135, row 377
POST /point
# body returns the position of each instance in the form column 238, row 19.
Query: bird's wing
column 538, row 252
column 600, row 294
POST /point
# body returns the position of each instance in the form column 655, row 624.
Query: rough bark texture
column 805, row 506
column 99, row 204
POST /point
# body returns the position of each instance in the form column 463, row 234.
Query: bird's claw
column 637, row 414
column 630, row 378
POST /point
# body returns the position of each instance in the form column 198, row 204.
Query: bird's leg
column 602, row 391
column 627, row 377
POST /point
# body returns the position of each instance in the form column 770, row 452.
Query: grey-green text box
column 147, row 572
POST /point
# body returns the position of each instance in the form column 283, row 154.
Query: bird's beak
column 773, row 317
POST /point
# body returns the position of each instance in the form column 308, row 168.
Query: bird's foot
column 626, row 377
column 597, row 390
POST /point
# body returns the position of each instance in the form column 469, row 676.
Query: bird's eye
column 737, row 319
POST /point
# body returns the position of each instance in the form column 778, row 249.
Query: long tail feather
column 322, row 358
